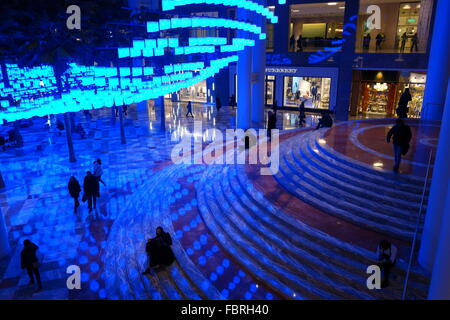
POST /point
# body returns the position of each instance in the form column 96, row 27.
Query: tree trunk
column 122, row 129
column 2, row 182
column 69, row 137
column 66, row 117
column 163, row 113
column 4, row 241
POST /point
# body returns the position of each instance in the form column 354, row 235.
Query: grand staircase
column 281, row 253
column 372, row 198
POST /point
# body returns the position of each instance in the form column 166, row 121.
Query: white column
column 438, row 195
column 4, row 242
column 438, row 65
column 244, row 81
column 259, row 69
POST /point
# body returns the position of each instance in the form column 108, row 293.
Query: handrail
column 405, row 287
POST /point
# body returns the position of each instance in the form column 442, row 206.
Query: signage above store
column 281, row 70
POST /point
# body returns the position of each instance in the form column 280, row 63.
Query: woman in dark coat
column 405, row 98
column 159, row 251
column 29, row 261
column 91, row 188
column 74, row 190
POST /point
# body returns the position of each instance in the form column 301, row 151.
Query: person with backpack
column 74, row 191
column 401, row 134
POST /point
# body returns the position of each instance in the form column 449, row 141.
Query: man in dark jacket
column 74, row 191
column 29, row 261
column 402, row 135
column 91, row 189
column 271, row 123
column 158, row 250
column 405, row 98
column 325, row 122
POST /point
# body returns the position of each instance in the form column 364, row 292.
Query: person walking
column 189, row 109
column 74, row 191
column 29, row 261
column 271, row 123
column 292, row 43
column 301, row 114
column 401, row 134
column 218, row 104
column 366, row 42
column 403, row 42
column 387, row 256
column 414, row 43
column 91, row 189
column 300, row 43
column 98, row 171
column 379, row 40
column 405, row 98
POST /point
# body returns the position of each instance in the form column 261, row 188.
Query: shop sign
column 281, row 70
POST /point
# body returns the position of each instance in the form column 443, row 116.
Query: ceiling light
column 332, row 3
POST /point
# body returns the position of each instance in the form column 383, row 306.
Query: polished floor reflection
column 237, row 234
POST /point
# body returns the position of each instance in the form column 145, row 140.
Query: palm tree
column 45, row 39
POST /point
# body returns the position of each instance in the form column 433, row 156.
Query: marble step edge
column 306, row 195
column 346, row 179
column 352, row 194
column 293, row 183
column 333, row 159
column 362, row 255
column 260, row 267
column 386, row 174
column 330, row 269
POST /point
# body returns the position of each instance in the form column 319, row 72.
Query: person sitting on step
column 387, row 255
column 158, row 251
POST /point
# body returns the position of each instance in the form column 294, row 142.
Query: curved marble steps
column 341, row 257
column 266, row 266
column 182, row 280
column 305, row 182
column 408, row 183
column 321, row 266
column 322, row 168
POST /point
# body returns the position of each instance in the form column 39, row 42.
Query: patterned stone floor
column 36, row 204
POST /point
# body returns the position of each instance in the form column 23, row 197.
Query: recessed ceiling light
column 332, row 3
column 341, row 8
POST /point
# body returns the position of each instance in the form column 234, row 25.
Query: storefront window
column 313, row 90
column 270, row 90
column 404, row 26
column 380, row 99
column 194, row 93
column 315, row 26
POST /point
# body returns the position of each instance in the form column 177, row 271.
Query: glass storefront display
column 194, row 93
column 380, row 99
column 315, row 25
column 315, row 91
column 270, row 90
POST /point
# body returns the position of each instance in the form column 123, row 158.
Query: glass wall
column 269, row 90
column 194, row 93
column 313, row 90
column 315, row 25
column 404, row 26
column 380, row 99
